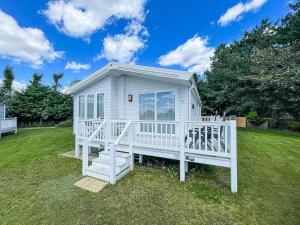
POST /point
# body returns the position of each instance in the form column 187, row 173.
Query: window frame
column 96, row 107
column 84, row 100
column 175, row 91
column 87, row 106
column 145, row 93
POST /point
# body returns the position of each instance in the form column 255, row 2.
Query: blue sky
column 78, row 37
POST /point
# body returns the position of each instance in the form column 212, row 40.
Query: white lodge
column 128, row 109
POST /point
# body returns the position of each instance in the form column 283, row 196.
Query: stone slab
column 91, row 184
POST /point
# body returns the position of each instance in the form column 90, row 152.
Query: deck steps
column 100, row 167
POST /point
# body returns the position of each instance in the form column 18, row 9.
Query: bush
column 273, row 123
column 294, row 125
column 66, row 123
column 253, row 118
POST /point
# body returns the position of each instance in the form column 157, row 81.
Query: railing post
column 85, row 157
column 108, row 131
column 233, row 152
column 182, row 160
column 130, row 147
column 105, row 130
column 112, row 165
column 16, row 125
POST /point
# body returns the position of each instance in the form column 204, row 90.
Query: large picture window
column 147, row 106
column 165, row 106
column 81, row 106
column 157, row 106
column 90, row 106
column 100, row 105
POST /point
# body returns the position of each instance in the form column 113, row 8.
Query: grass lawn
column 36, row 186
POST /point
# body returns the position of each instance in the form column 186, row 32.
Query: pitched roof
column 117, row 69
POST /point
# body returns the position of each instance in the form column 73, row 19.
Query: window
column 165, row 106
column 100, row 105
column 90, row 106
column 81, row 106
column 157, row 106
column 147, row 106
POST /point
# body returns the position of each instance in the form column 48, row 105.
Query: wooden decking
column 207, row 142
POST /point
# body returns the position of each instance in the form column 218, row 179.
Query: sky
column 77, row 37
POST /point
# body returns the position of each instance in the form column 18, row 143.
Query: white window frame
column 96, row 105
column 87, row 103
column 84, row 106
column 175, row 91
column 85, row 97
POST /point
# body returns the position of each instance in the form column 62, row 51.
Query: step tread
column 106, row 160
column 104, row 169
column 118, row 154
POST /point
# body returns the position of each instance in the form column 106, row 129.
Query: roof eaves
column 73, row 89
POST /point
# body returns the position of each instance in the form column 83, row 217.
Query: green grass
column 36, row 186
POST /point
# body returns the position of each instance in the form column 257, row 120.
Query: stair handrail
column 123, row 132
column 85, row 154
column 96, row 131
column 113, row 154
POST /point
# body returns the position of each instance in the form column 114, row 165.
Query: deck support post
column 130, row 147
column 113, row 164
column 233, row 151
column 77, row 149
column 182, row 160
column 186, row 166
column 140, row 159
column 182, row 166
column 85, row 157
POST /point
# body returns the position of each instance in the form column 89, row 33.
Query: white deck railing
column 8, row 125
column 206, row 138
column 86, row 127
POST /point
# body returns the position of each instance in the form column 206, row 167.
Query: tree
column 259, row 73
column 288, row 28
column 56, row 78
column 279, row 73
column 40, row 103
column 6, row 90
column 8, row 78
column 36, row 79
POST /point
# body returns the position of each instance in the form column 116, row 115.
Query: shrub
column 273, row 123
column 294, row 125
column 253, row 118
column 66, row 123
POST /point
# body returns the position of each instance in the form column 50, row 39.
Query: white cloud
column 17, row 85
column 124, row 47
column 136, row 27
column 65, row 90
column 121, row 48
column 236, row 12
column 77, row 66
column 81, row 18
column 24, row 44
column 193, row 55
